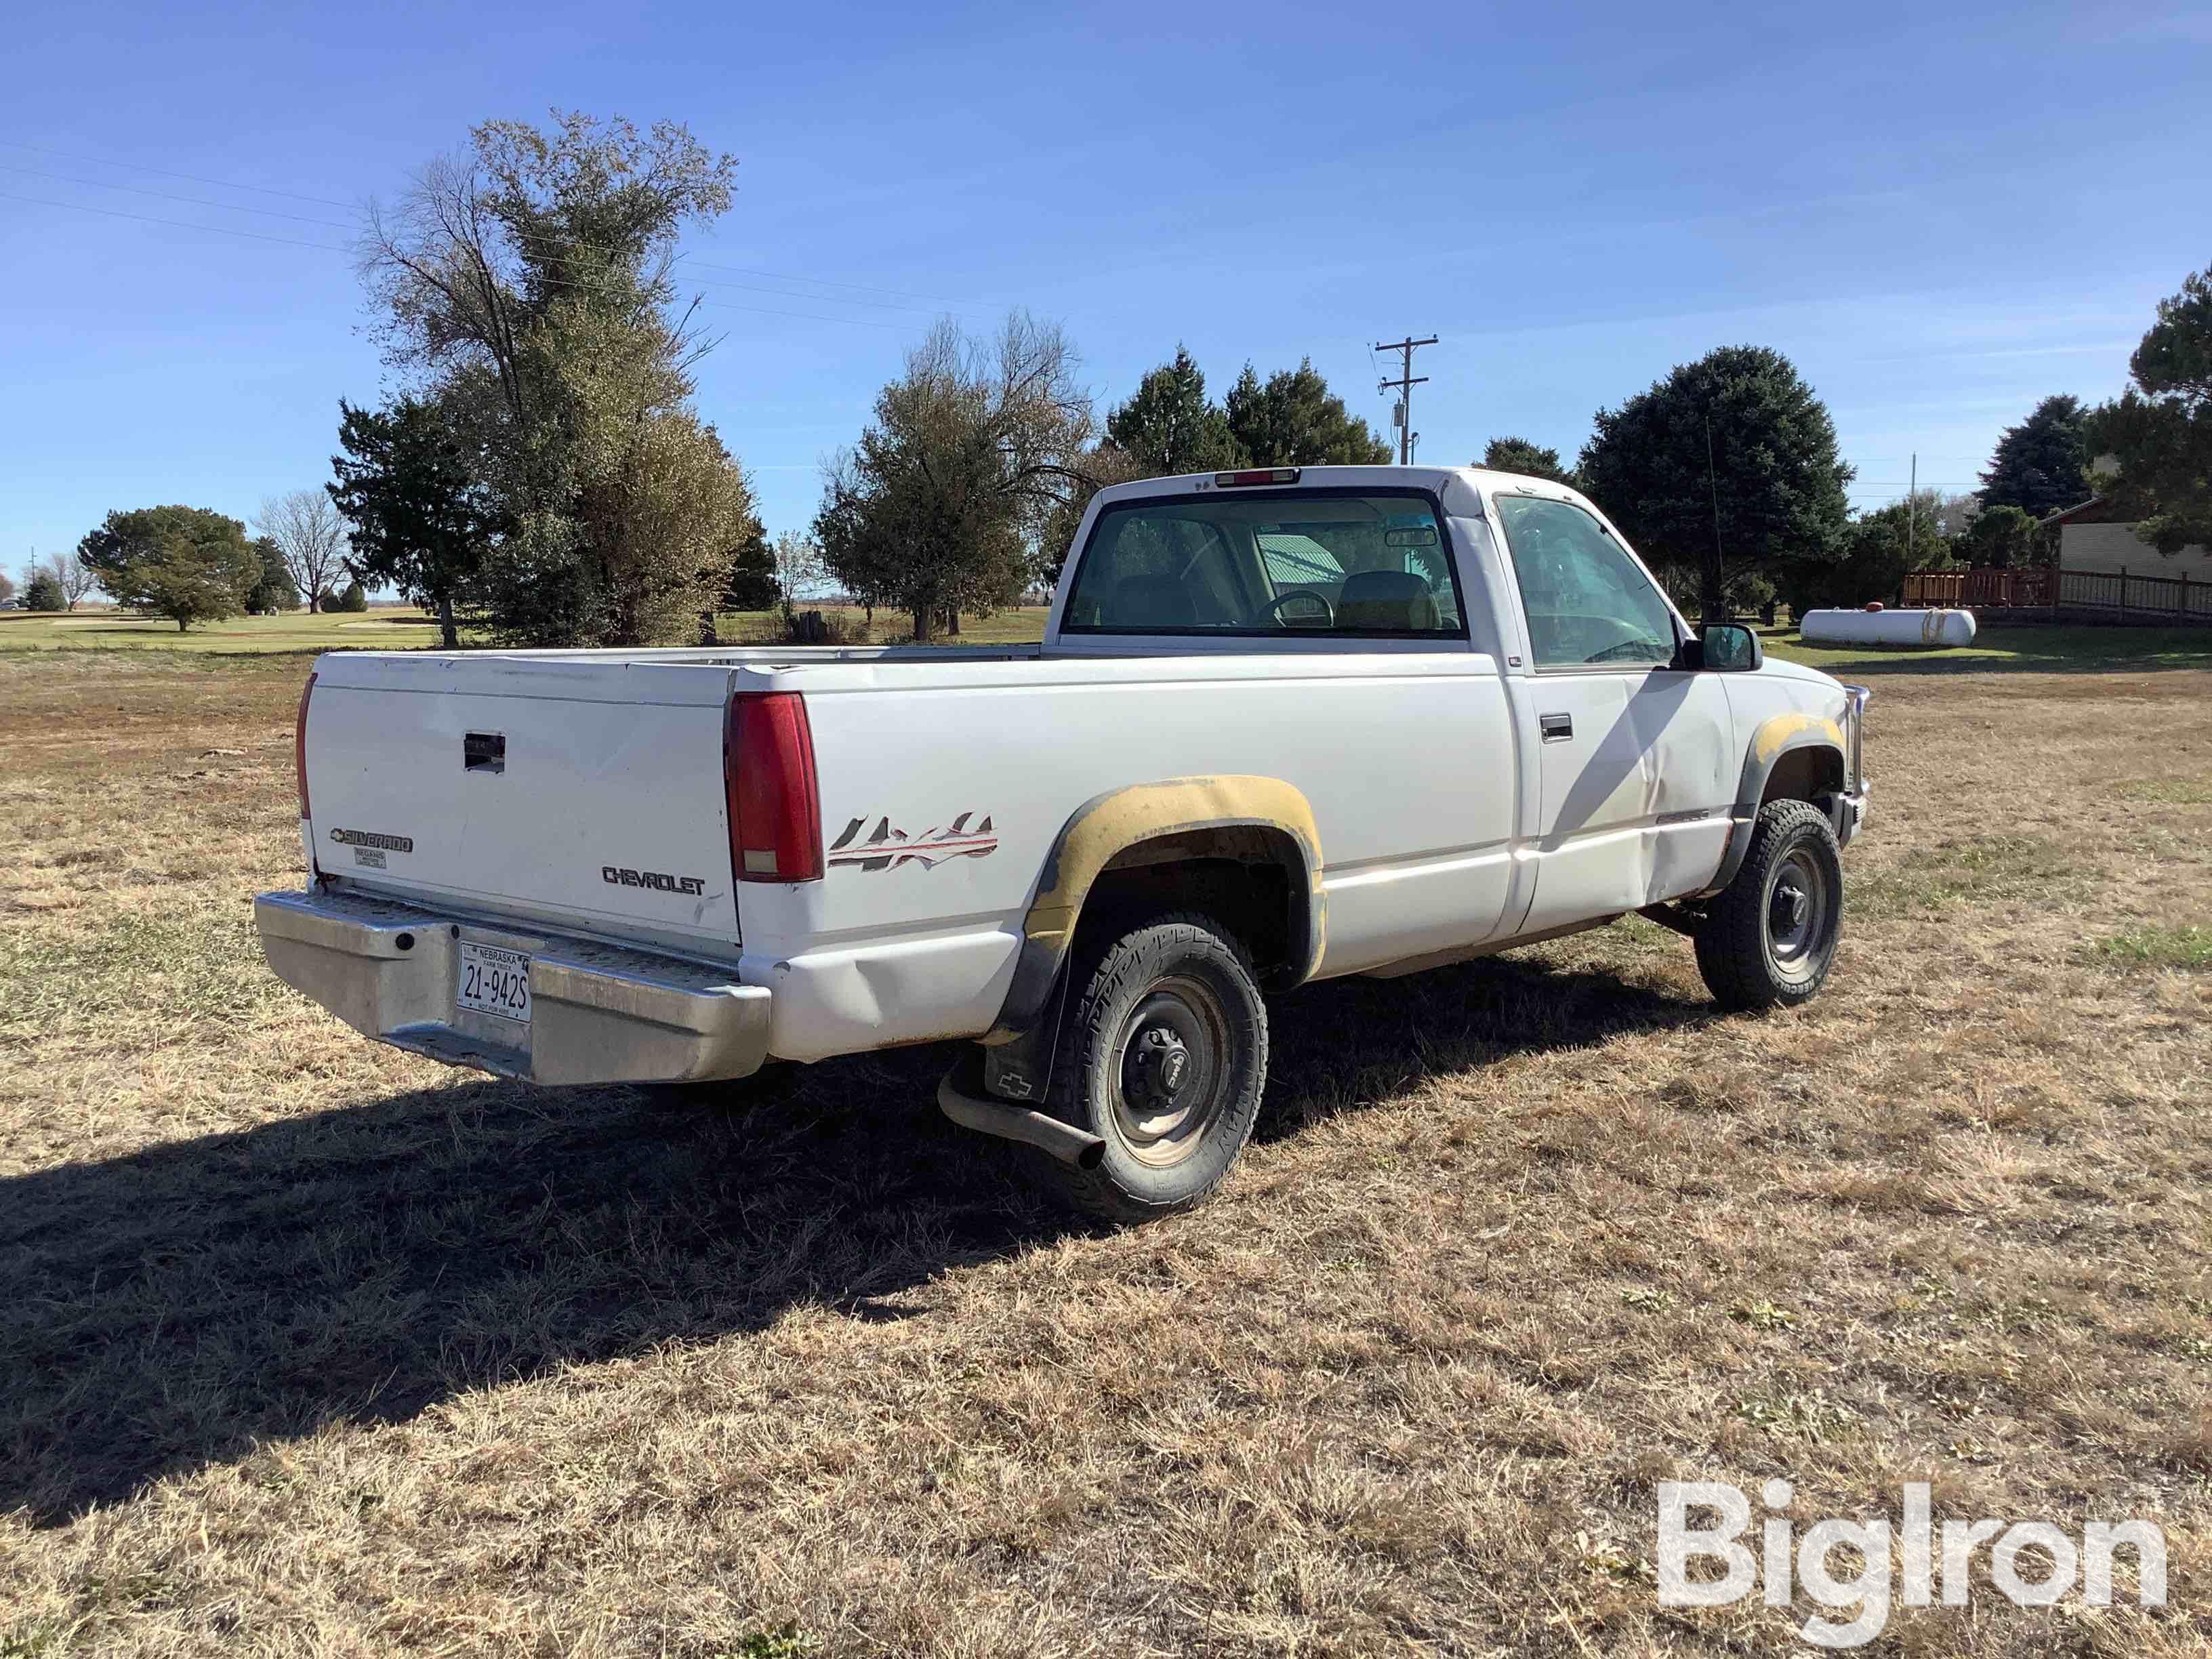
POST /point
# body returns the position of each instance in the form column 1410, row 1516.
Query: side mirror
column 1729, row 647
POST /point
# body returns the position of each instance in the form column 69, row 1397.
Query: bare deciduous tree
column 76, row 581
column 798, row 564
column 309, row 536
column 1953, row 513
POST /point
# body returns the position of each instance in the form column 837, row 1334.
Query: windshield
column 1314, row 563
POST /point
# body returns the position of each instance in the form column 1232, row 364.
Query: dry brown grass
column 309, row 1348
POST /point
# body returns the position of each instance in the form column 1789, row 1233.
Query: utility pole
column 1911, row 510
column 1405, row 383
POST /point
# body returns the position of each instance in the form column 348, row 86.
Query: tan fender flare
column 1108, row 825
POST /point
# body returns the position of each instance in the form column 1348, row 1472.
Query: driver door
column 1637, row 760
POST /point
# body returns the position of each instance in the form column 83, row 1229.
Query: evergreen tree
column 1737, row 435
column 1293, row 419
column 2039, row 466
column 752, row 585
column 2160, row 427
column 420, row 517
column 43, row 592
column 186, row 563
column 275, row 591
column 1529, row 459
column 1167, row 426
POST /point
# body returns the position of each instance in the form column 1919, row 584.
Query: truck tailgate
column 574, row 793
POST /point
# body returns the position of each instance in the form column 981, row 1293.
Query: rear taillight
column 299, row 743
column 768, row 772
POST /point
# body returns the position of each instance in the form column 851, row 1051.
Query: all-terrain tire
column 1769, row 938
column 1180, row 986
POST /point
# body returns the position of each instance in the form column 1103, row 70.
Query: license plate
column 494, row 981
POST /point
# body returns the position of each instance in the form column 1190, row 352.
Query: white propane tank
column 1875, row 626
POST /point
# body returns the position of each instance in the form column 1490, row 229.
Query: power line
column 170, row 196
column 1405, row 383
column 810, row 316
column 178, row 224
column 754, row 288
column 294, row 241
column 189, row 178
column 825, row 282
column 356, row 207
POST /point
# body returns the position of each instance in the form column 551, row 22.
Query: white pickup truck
column 1286, row 724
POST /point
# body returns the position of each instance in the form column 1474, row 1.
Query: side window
column 1587, row 601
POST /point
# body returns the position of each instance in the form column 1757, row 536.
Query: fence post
column 2183, row 606
column 2124, row 588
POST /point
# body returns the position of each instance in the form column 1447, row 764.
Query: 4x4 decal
column 886, row 849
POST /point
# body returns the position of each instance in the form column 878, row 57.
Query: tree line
column 541, row 469
column 1725, row 476
column 967, row 488
column 53, row 584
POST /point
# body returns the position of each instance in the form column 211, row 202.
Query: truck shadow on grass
column 173, row 1309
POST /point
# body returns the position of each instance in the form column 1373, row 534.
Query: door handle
column 1556, row 728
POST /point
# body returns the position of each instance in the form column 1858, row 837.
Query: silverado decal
column 886, row 849
column 371, row 838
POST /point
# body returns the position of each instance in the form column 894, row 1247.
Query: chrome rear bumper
column 599, row 1014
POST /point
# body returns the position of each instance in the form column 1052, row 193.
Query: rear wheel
column 1769, row 939
column 1163, row 1056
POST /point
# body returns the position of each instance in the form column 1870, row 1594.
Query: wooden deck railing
column 1978, row 586
column 2083, row 589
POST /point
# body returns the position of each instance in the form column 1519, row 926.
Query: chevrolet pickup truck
column 1286, row 724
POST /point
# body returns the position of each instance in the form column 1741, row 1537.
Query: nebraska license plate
column 494, row 981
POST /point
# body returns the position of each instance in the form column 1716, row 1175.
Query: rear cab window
column 1311, row 563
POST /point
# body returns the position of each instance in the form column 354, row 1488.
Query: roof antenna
column 1713, row 483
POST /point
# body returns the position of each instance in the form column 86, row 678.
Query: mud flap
column 1020, row 1069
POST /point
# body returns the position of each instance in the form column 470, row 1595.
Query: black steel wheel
column 1164, row 1056
column 1769, row 939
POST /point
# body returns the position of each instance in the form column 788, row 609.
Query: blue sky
column 1941, row 213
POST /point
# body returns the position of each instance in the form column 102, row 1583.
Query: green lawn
column 2046, row 650
column 382, row 629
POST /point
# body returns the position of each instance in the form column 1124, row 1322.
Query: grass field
column 2002, row 650
column 384, row 628
column 1997, row 650
column 309, row 1348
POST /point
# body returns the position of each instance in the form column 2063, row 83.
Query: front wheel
column 1770, row 938
column 1163, row 1057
